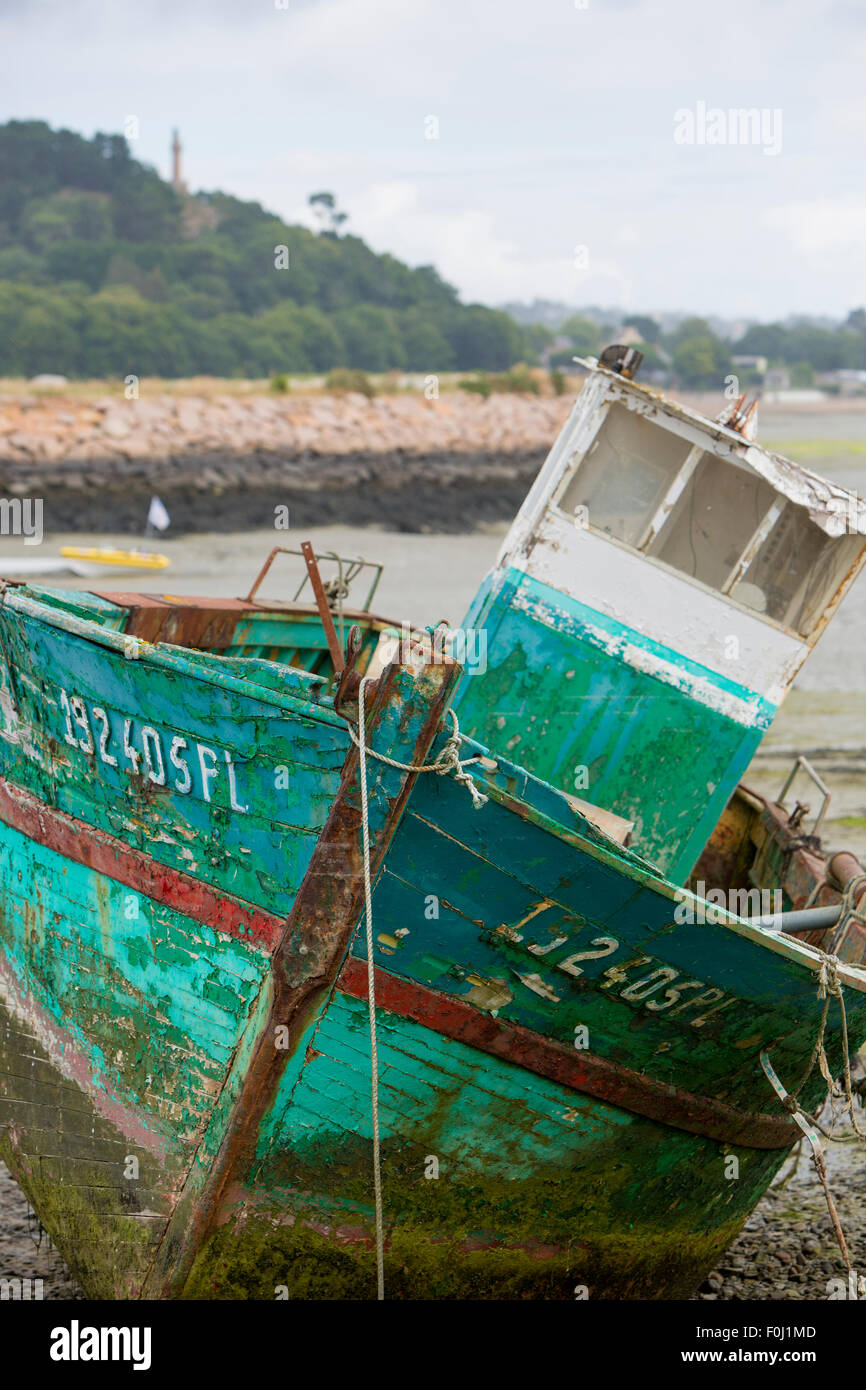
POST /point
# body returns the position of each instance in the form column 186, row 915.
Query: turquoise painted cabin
column 658, row 592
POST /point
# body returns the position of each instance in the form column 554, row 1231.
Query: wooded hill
column 105, row 270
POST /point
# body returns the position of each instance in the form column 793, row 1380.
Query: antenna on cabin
column 621, row 359
column 741, row 418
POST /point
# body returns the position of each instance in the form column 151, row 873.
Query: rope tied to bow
column 849, row 911
column 829, row 988
column 447, row 760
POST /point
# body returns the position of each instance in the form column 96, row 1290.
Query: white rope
column 790, row 1103
column 829, row 987
column 447, row 760
column 371, row 995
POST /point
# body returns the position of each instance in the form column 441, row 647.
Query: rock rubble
column 226, row 461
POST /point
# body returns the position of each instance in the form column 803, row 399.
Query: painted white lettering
column 153, row 755
column 209, row 769
column 104, row 736
column 233, row 791
column 132, row 753
column 174, row 757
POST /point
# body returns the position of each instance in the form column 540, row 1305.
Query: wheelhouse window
column 797, row 571
column 625, row 474
column 714, row 520
column 718, row 512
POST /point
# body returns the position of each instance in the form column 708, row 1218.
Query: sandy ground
column 26, row 1251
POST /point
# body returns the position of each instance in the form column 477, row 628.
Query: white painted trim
column 671, row 497
column 759, row 535
column 659, row 604
column 575, row 437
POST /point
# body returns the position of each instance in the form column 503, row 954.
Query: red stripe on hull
column 580, row 1071
column 84, row 844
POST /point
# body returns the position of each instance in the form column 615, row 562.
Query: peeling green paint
column 582, row 713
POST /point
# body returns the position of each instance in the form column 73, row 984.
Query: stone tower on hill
column 177, row 181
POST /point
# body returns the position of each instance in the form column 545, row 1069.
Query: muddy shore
column 223, row 492
column 786, row 1251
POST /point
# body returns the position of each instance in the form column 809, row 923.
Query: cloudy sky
column 583, row 152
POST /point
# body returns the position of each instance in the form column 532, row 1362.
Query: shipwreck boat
column 659, row 590
column 570, row 1044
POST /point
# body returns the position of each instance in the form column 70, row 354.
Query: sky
column 576, row 150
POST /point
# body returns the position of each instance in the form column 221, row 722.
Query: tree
column 426, row 347
column 47, row 338
column 584, row 333
column 323, row 345
column 686, row 329
column 326, row 213
column 371, row 338
column 763, row 340
column 18, row 264
column 648, row 328
column 537, row 338
column 85, row 261
column 484, row 339
column 702, row 361
column 65, row 217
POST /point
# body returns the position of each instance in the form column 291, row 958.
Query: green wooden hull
column 610, row 728
column 566, row 1069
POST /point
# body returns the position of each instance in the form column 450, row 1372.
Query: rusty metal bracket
column 338, row 660
column 352, row 569
column 277, row 550
column 346, row 693
column 807, row 767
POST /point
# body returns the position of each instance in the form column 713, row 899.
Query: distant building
column 749, row 363
column 805, row 395
column 177, row 180
column 846, row 381
column 777, row 379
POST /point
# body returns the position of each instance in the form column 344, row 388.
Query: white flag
column 157, row 515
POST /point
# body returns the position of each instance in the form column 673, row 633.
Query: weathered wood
column 404, row 716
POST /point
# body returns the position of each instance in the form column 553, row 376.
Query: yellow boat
column 132, row 559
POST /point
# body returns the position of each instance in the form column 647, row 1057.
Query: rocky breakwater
column 229, row 461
